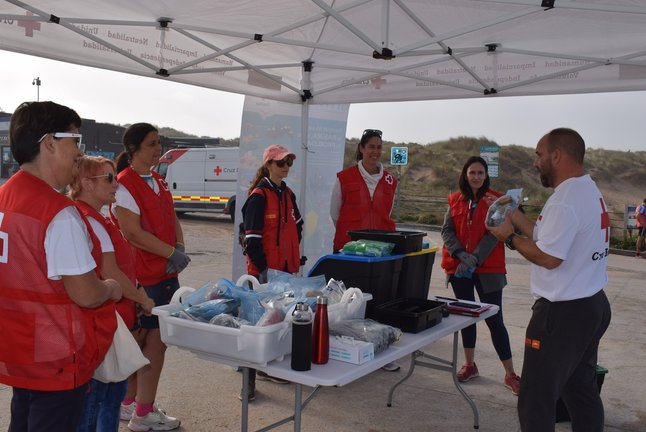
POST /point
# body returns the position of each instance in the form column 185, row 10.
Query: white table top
column 338, row 373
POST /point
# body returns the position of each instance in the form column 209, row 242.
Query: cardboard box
column 351, row 351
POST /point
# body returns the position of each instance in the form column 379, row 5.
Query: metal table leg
column 440, row 364
column 244, row 415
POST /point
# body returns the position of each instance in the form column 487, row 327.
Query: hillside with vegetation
column 433, row 171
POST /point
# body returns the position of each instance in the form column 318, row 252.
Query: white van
column 201, row 179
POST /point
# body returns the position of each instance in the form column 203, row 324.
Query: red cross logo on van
column 217, row 170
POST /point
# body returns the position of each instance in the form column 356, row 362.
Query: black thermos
column 302, row 338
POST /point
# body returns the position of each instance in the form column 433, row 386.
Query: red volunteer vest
column 157, row 216
column 470, row 234
column 279, row 234
column 123, row 254
column 358, row 211
column 48, row 342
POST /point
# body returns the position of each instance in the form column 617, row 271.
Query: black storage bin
column 378, row 276
column 562, row 414
column 411, row 315
column 404, row 241
column 415, row 278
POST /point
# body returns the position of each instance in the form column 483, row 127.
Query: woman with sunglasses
column 144, row 211
column 474, row 260
column 363, row 195
column 94, row 185
column 272, row 225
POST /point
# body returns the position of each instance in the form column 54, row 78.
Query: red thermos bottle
column 321, row 333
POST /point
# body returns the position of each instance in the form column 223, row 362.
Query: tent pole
column 305, row 112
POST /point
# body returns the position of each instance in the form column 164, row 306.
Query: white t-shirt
column 68, row 245
column 102, row 235
column 574, row 226
column 125, row 199
column 371, row 182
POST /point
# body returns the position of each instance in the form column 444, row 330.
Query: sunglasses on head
column 109, row 177
column 281, row 163
column 372, row 132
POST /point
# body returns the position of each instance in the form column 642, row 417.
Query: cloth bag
column 124, row 356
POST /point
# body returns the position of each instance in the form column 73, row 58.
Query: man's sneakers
column 467, row 372
column 156, row 420
column 262, row 376
column 512, row 382
column 125, row 413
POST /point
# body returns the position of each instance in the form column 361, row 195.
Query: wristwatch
column 509, row 242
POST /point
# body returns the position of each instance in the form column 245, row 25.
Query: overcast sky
column 614, row 121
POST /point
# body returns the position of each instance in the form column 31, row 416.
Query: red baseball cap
column 276, row 152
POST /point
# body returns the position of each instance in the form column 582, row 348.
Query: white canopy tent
column 346, row 51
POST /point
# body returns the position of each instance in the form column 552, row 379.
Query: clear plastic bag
column 370, row 248
column 205, row 311
column 381, row 335
column 505, row 204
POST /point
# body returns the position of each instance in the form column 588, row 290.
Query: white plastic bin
column 251, row 344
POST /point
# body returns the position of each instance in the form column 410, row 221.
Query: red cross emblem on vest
column 605, row 219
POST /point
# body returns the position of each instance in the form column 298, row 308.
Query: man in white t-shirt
column 568, row 248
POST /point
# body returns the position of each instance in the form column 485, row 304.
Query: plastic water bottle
column 321, row 335
column 302, row 338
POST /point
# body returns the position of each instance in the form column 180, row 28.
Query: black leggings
column 464, row 289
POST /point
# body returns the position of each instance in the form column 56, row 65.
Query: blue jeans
column 102, row 405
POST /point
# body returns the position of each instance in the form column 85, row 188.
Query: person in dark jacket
column 474, row 260
column 272, row 226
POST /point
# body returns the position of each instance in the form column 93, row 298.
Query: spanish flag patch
column 533, row 343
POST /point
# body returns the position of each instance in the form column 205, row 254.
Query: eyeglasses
column 281, row 163
column 61, row 135
column 372, row 132
column 109, row 177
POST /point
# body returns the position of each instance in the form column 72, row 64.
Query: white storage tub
column 250, row 344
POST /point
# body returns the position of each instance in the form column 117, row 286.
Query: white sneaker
column 125, row 413
column 156, row 420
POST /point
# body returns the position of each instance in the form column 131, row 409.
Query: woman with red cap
column 272, row 226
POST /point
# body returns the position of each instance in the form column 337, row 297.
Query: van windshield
column 162, row 168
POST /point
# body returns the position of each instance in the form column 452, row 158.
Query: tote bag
column 124, row 356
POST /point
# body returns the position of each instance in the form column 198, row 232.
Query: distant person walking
column 640, row 216
column 474, row 261
column 568, row 249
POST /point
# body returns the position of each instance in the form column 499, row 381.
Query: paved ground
column 204, row 394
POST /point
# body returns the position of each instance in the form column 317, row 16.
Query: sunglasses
column 281, row 163
column 61, row 135
column 372, row 132
column 109, row 177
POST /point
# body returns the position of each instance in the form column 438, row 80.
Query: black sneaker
column 262, row 376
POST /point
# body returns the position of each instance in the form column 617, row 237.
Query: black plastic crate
column 415, row 277
column 378, row 276
column 411, row 315
column 404, row 241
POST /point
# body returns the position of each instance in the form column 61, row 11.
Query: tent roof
column 360, row 50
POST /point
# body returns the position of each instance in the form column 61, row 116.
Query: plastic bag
column 381, row 335
column 347, row 307
column 334, row 291
column 205, row 311
column 227, row 320
column 123, row 358
column 371, row 248
column 507, row 203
